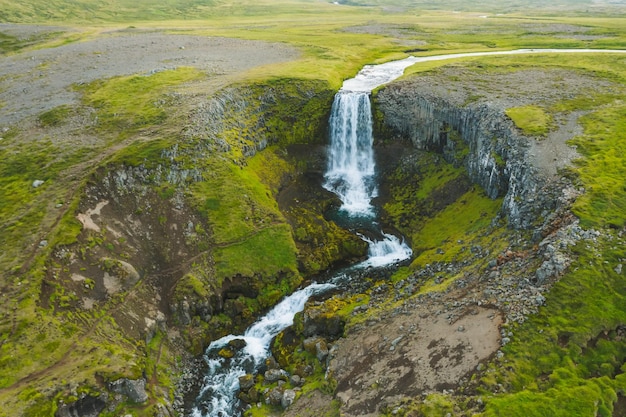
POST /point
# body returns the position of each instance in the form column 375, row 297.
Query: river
column 351, row 174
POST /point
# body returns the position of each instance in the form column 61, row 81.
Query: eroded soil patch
column 409, row 353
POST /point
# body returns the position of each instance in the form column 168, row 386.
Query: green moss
column 473, row 213
column 10, row 44
column 573, row 341
column 146, row 153
column 321, row 243
column 191, row 284
column 289, row 99
column 531, row 120
column 267, row 252
column 125, row 104
column 437, row 405
column 425, row 187
column 69, row 227
column 595, row 398
column 439, row 192
column 41, row 406
column 55, row 116
column 235, row 203
column 23, row 207
column 601, row 171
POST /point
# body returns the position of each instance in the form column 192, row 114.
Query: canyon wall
column 478, row 135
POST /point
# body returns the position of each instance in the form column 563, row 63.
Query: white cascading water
column 388, row 251
column 350, row 172
column 218, row 396
column 351, row 175
column 351, row 168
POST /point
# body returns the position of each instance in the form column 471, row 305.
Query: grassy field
column 568, row 360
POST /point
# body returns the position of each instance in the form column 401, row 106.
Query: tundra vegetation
column 209, row 185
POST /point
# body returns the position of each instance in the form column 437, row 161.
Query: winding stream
column 351, row 175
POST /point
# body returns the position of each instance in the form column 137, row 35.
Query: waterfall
column 350, row 172
column 351, row 175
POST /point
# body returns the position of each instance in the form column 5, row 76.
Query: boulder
column 226, row 353
column 246, row 382
column 253, row 394
column 296, row 380
column 319, row 321
column 237, row 344
column 275, row 396
column 271, row 363
column 321, row 351
column 288, row 398
column 133, row 389
column 317, row 346
column 273, row 375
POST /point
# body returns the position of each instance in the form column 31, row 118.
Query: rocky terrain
column 412, row 344
column 147, row 280
column 45, row 77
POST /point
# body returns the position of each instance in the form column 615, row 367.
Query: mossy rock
column 320, row 321
column 226, row 353
column 322, row 243
column 285, row 345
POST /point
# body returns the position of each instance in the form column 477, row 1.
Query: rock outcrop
column 133, row 389
column 481, row 137
column 87, row 406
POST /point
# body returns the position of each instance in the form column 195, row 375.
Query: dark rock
column 321, row 351
column 270, row 363
column 237, row 344
column 309, row 344
column 133, row 389
column 296, row 380
column 253, row 394
column 275, row 396
column 244, row 397
column 233, row 308
column 87, row 406
column 246, row 382
column 478, row 136
column 320, row 322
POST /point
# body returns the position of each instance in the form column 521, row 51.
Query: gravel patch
column 36, row 81
column 25, row 32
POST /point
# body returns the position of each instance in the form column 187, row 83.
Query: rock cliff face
column 478, row 135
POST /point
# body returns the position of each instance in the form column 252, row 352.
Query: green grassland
column 45, row 352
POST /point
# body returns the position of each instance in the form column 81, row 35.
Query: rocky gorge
column 497, row 287
column 416, row 343
column 178, row 241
